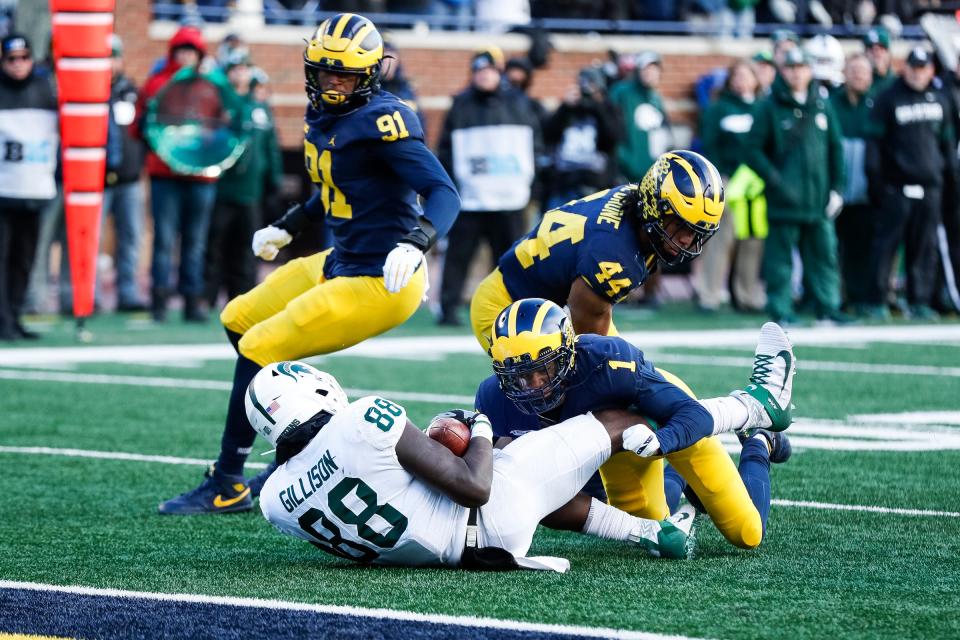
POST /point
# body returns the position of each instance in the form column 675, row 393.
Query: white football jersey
column 347, row 494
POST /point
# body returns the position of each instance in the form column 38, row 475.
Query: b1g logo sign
column 35, row 152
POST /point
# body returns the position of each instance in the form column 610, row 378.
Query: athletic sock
column 238, row 435
column 728, row 413
column 754, row 470
column 673, row 485
column 611, row 523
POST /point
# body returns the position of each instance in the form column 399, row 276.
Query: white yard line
column 438, row 345
column 338, row 610
column 214, row 385
column 135, row 457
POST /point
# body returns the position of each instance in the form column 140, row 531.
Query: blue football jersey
column 589, row 239
column 369, row 165
column 608, row 373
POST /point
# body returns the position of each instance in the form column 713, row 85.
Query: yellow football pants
column 635, row 484
column 297, row 313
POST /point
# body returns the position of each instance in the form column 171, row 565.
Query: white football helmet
column 284, row 395
column 826, row 58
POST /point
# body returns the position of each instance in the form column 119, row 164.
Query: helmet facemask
column 368, row 83
column 680, row 203
column 535, row 385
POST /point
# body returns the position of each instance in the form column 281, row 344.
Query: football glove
column 268, row 241
column 641, row 440
column 834, row 205
column 400, row 266
column 479, row 423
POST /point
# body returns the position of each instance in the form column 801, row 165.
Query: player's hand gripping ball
column 451, row 433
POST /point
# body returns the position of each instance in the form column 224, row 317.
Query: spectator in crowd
column 237, row 213
column 855, row 226
column 949, row 299
column 783, row 40
column 457, row 13
column 581, row 138
column 737, row 17
column 395, row 81
column 911, row 157
column 28, row 129
column 498, row 16
column 488, row 145
column 180, row 203
column 724, row 128
column 795, row 146
column 231, row 48
column 519, row 75
column 766, row 70
column 123, row 195
column 646, row 128
column 876, row 44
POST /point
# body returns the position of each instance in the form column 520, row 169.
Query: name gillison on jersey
column 307, row 484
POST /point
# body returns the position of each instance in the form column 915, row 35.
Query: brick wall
column 438, row 62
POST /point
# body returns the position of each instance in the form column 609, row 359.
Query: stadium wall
column 438, row 62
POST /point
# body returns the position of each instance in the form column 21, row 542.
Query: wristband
column 482, row 429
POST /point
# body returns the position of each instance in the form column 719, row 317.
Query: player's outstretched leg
column 219, row 492
column 768, row 395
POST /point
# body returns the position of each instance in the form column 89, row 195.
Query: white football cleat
column 769, row 393
column 671, row 538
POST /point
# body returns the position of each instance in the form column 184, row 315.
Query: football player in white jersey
column 361, row 482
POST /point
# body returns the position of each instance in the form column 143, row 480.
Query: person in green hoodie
column 646, row 129
column 724, row 128
column 237, row 213
column 795, row 146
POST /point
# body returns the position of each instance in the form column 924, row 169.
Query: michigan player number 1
column 319, row 167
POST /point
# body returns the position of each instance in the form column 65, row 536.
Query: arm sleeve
column 420, row 169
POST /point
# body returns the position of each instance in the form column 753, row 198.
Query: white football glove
column 400, row 266
column 834, row 205
column 641, row 440
column 268, row 241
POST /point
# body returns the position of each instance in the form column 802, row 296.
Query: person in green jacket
column 795, row 146
column 646, row 129
column 724, row 128
column 237, row 214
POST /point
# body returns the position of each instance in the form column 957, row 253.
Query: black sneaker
column 218, row 493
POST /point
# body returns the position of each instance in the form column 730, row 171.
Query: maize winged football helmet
column 682, row 190
column 345, row 43
column 284, row 395
column 532, row 345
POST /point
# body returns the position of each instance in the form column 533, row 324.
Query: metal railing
column 312, row 13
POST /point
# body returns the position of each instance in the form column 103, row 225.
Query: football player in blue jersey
column 588, row 254
column 544, row 374
column 364, row 149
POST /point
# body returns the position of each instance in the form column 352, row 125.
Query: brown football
column 451, row 433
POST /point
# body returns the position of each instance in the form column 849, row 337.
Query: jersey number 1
column 319, row 167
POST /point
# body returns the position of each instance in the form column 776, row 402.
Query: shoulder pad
column 389, row 119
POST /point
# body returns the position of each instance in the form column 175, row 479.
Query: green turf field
column 863, row 539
